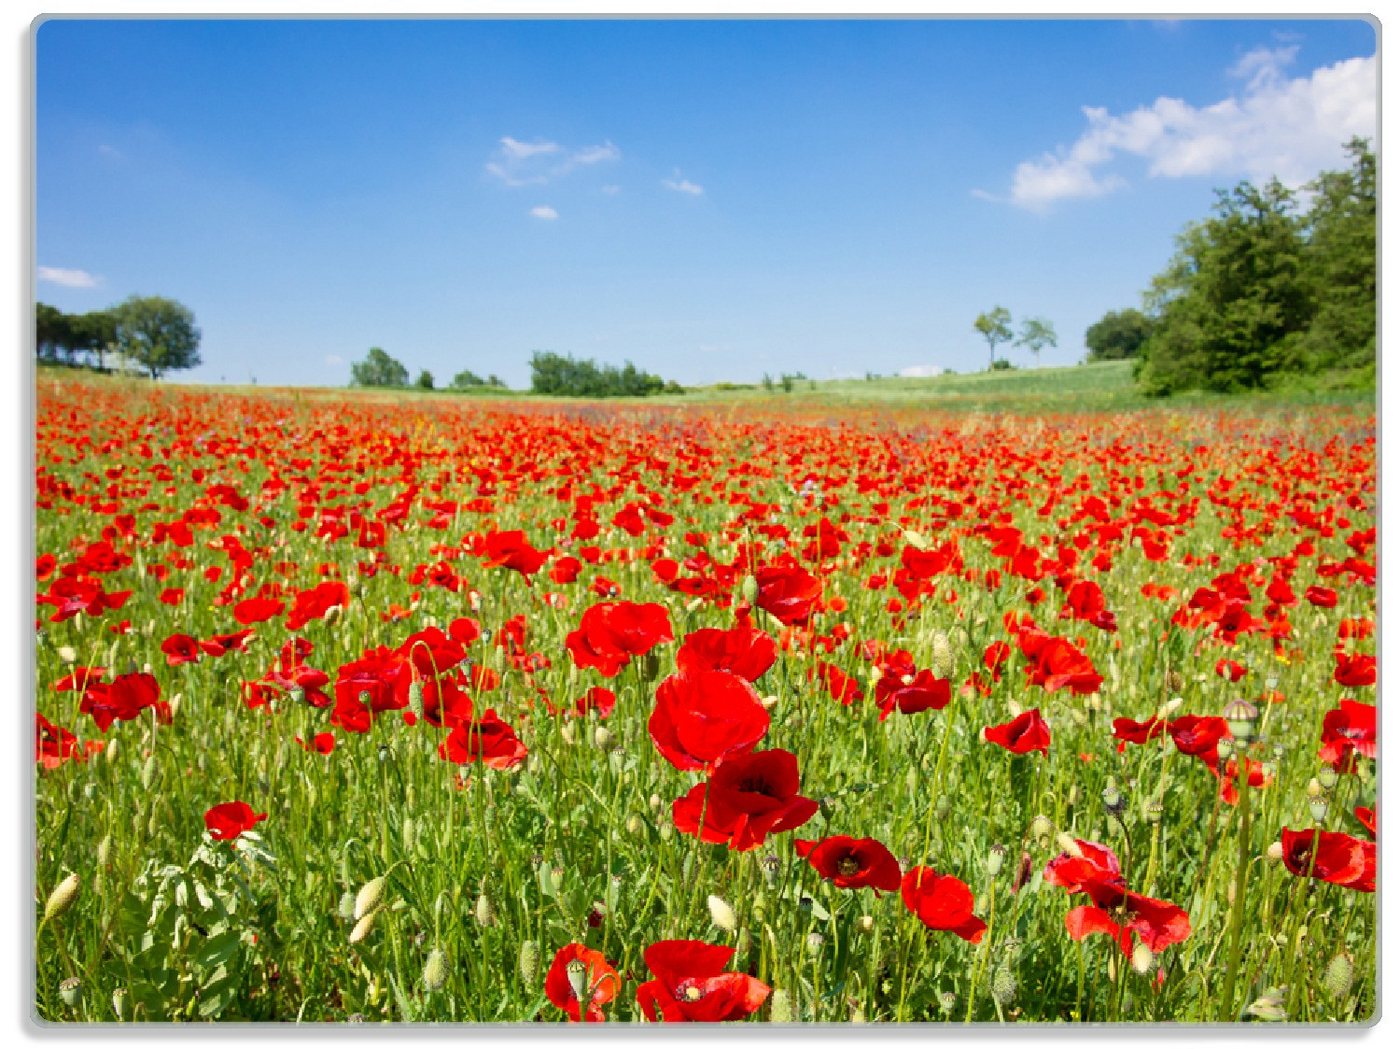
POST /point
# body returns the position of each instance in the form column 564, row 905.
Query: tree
column 95, row 332
column 1341, row 263
column 425, row 380
column 1036, row 334
column 52, row 331
column 467, row 378
column 378, row 369
column 157, row 333
column 1118, row 335
column 995, row 327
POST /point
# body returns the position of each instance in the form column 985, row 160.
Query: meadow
column 1022, row 701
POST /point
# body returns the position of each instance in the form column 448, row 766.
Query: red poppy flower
column 1331, row 856
column 227, row 821
column 580, row 981
column 611, row 633
column 852, row 863
column 941, row 901
column 53, row 744
column 1055, row 663
column 841, row 686
column 257, row 610
column 313, row 604
column 489, row 740
column 180, row 648
column 1090, row 868
column 565, row 570
column 1355, row 671
column 512, row 550
column 1321, row 596
column 690, row 984
column 603, row 700
column 1022, row 734
column 321, row 743
column 1199, row 736
column 749, row 797
column 1157, row 923
column 79, row 679
column 741, row 650
column 121, row 700
column 789, row 593
column 1130, row 731
column 1367, row 818
column 921, row 691
column 222, row 644
column 699, row 719
column 1347, row 731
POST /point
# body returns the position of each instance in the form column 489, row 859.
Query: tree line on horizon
column 1261, row 291
column 153, row 333
column 550, row 373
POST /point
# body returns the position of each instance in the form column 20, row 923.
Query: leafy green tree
column 1341, row 258
column 425, row 380
column 467, row 378
column 1118, row 335
column 95, row 332
column 157, row 333
column 551, row 373
column 1234, row 303
column 53, row 333
column 495, row 380
column 995, row 327
column 378, row 369
column 1036, row 334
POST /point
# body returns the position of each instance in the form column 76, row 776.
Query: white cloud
column 334, row 360
column 920, row 371
column 1275, row 126
column 68, row 278
column 111, row 152
column 612, row 190
column 683, row 185
column 518, row 163
column 544, row 211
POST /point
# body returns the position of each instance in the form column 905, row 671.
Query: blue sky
column 711, row 200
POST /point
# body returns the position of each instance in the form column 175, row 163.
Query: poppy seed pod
column 1242, row 717
column 62, row 897
column 815, row 940
column 119, row 998
column 1042, row 829
column 368, row 897
column 1327, row 776
column 71, row 991
column 1113, row 800
column 947, row 1001
column 1317, row 808
column 995, row 858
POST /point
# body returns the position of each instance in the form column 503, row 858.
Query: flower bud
column 1339, row 975
column 119, row 998
column 1042, row 828
column 865, row 924
column 780, row 1007
column 62, row 897
column 529, row 961
column 1003, row 986
column 941, row 655
column 363, row 927
column 368, row 898
column 995, row 857
column 749, row 589
column 485, row 911
column 602, row 738
column 947, row 1001
column 1143, row 959
column 409, row 835
column 347, row 905
column 814, row 943
column 415, row 698
column 722, row 914
column 1275, row 851
column 1069, row 845
column 435, row 970
column 67, row 654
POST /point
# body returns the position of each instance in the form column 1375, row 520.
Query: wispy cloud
column 1274, row 125
column 683, row 185
column 519, row 163
column 334, row 360
column 110, row 152
column 544, row 211
column 612, row 189
column 68, row 278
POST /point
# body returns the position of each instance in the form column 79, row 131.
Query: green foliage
column 467, row 378
column 378, row 369
column 157, row 333
column 1259, row 291
column 562, row 376
column 1118, row 336
column 995, row 327
column 1036, row 334
column 71, row 336
column 425, row 380
column 52, row 331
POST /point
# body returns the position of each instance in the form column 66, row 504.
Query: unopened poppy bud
column 768, row 702
column 1170, row 707
column 415, row 698
column 722, row 914
column 148, row 772
column 1175, row 681
column 332, row 614
column 1072, row 796
column 1042, row 828
column 749, row 589
column 529, row 961
column 815, row 940
column 1003, row 986
column 485, row 911
column 1339, row 975
column 780, row 1007
column 368, row 897
column 119, row 999
column 1268, row 1006
column 347, row 905
column 942, row 806
column 104, row 850
column 71, row 991
column 1327, row 776
column 435, row 970
column 1275, row 851
column 62, row 897
column 634, row 824
column 602, row 738
column 1143, row 959
column 110, row 751
column 1314, row 788
column 568, row 733
column 947, row 1001
column 941, row 655
column 995, row 858
column 665, row 829
column 363, row 927
column 410, row 830
column 1069, row 845
column 67, row 654
column 1317, row 807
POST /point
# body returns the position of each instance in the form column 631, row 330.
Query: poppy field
column 440, row 710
